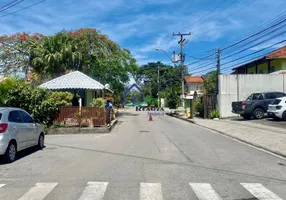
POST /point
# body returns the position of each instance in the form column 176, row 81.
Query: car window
column 14, row 116
column 270, row 96
column 26, row 118
column 249, row 98
column 257, row 96
column 276, row 101
column 0, row 116
column 280, row 94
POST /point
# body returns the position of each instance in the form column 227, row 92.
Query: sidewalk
column 272, row 139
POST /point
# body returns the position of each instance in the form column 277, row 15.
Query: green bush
column 214, row 114
column 41, row 103
column 98, row 103
column 199, row 108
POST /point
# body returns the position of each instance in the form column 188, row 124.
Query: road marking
column 204, row 191
column 1, row 185
column 39, row 192
column 151, row 191
column 94, row 191
column 260, row 192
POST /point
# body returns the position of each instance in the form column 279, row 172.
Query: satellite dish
column 107, row 86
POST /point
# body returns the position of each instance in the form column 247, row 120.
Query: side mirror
column 37, row 121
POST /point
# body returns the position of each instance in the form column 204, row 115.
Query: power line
column 11, row 6
column 231, row 14
column 215, row 14
column 8, row 4
column 254, row 52
column 254, row 35
column 275, row 19
column 261, row 42
column 208, row 12
column 24, row 8
column 211, row 68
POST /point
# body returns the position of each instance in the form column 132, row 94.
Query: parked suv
column 18, row 131
column 277, row 109
column 255, row 105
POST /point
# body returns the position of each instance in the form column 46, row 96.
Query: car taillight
column 3, row 128
column 243, row 105
column 278, row 107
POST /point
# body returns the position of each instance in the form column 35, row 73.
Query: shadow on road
column 21, row 154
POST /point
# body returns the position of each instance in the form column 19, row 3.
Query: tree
column 86, row 50
column 209, row 85
column 15, row 54
column 147, row 75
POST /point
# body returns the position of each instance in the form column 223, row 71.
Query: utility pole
column 158, row 82
column 217, row 75
column 182, row 59
column 217, row 69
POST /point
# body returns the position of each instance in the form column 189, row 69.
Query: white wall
column 239, row 87
column 193, row 86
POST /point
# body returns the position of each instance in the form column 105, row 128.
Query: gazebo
column 79, row 84
column 87, row 88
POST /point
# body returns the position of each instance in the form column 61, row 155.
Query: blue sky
column 143, row 25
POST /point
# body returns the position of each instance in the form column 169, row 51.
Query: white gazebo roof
column 73, row 80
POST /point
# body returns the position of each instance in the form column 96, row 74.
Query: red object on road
column 150, row 117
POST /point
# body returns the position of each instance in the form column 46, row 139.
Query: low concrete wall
column 77, row 130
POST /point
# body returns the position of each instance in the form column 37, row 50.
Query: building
column 272, row 62
column 192, row 85
column 80, row 85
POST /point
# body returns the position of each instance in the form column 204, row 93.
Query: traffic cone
column 150, row 117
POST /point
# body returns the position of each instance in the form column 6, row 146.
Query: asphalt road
column 163, row 159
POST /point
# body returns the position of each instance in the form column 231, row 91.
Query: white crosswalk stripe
column 39, row 192
column 94, row 191
column 151, row 191
column 260, row 192
column 204, row 191
column 148, row 191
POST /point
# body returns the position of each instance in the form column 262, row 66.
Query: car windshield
column 276, row 101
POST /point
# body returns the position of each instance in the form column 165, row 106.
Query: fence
column 210, row 102
column 86, row 116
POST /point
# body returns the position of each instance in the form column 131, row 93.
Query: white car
column 18, row 131
column 277, row 109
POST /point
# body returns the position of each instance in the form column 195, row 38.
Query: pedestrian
column 110, row 107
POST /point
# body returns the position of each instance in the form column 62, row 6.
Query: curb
column 185, row 119
column 112, row 125
column 236, row 138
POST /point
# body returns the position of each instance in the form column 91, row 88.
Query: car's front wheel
column 284, row 116
column 11, row 152
column 258, row 113
column 41, row 141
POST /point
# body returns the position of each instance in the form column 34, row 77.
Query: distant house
column 273, row 62
column 192, row 85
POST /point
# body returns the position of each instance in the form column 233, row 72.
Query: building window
column 197, row 88
column 272, row 69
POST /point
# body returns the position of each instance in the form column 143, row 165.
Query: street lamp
column 158, row 77
column 158, row 49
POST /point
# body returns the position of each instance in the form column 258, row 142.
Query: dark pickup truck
column 255, row 105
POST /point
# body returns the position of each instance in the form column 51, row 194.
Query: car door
column 18, row 128
column 30, row 127
column 269, row 98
